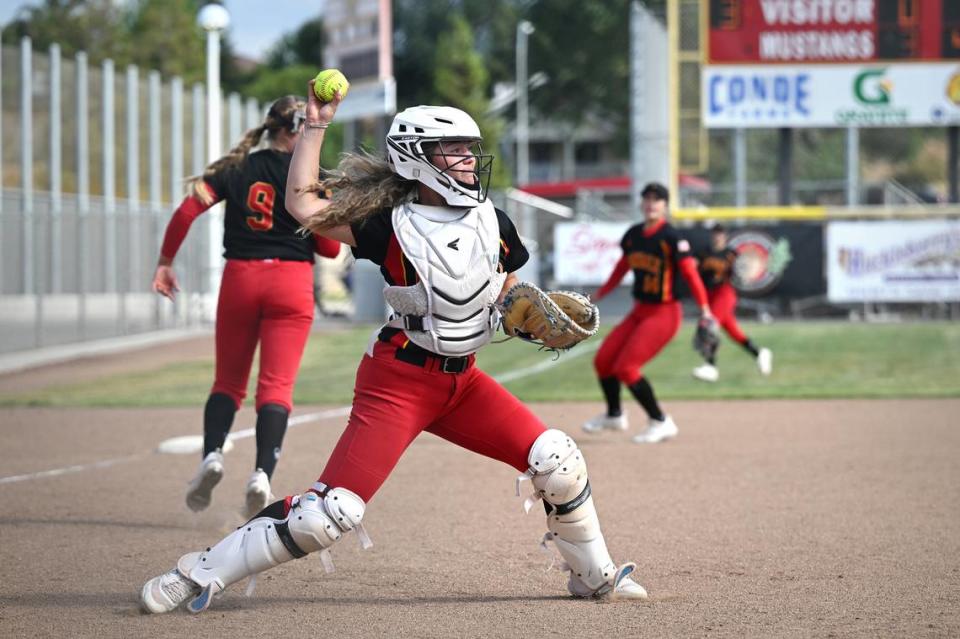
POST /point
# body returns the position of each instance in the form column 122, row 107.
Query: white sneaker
column 657, row 431
column 604, row 422
column 208, row 476
column 167, row 592
column 765, row 361
column 258, row 492
column 706, row 373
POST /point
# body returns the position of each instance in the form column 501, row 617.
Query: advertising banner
column 845, row 31
column 902, row 261
column 782, row 260
column 586, row 252
column 831, row 95
column 776, row 260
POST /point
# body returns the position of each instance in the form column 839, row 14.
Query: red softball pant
column 395, row 401
column 636, row 340
column 270, row 302
column 723, row 305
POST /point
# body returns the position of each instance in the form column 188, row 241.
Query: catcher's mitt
column 707, row 338
column 556, row 320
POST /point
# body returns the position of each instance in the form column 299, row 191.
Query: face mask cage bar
column 482, row 168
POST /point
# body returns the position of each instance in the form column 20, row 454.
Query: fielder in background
column 654, row 251
column 716, row 268
column 448, row 257
column 266, row 295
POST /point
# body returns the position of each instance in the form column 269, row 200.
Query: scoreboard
column 825, row 31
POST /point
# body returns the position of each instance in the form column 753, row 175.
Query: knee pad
column 313, row 524
column 558, row 470
column 558, row 473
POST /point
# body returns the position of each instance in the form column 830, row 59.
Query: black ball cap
column 656, row 190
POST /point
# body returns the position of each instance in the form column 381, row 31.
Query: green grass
column 811, row 360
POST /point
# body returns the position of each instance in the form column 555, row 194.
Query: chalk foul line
column 192, row 444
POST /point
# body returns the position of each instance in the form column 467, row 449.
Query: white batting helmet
column 420, row 126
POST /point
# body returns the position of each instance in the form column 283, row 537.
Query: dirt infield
column 762, row 519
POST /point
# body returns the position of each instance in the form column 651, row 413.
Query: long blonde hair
column 361, row 185
column 280, row 116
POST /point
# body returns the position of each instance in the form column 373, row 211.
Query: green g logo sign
column 870, row 87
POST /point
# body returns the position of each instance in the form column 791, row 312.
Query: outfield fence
column 93, row 160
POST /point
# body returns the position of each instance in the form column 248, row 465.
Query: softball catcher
column 266, row 295
column 447, row 256
column 717, row 266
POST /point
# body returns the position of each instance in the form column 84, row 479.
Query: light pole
column 524, row 29
column 214, row 18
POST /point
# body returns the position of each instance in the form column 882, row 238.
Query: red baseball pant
column 270, row 302
column 723, row 305
column 636, row 340
column 395, row 401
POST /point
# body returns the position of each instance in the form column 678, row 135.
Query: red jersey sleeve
column 179, row 224
column 619, row 270
column 688, row 269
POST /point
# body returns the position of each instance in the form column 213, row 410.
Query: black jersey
column 716, row 267
column 653, row 257
column 376, row 241
column 257, row 224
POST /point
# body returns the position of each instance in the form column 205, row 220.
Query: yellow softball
column 328, row 82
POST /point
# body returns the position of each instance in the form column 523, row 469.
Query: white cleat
column 765, row 361
column 657, row 431
column 706, row 373
column 208, row 476
column 258, row 492
column 166, row 592
column 604, row 422
column 629, row 589
column 623, row 587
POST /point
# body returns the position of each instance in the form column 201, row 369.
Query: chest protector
column 450, row 311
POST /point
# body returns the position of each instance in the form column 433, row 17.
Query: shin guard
column 559, row 476
column 313, row 524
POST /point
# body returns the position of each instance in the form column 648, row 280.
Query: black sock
column 643, row 391
column 712, row 360
column 217, row 420
column 611, row 392
column 751, row 347
column 271, row 427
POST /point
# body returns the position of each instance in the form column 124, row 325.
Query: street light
column 214, row 18
column 524, row 29
column 529, row 221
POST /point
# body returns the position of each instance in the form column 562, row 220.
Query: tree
column 462, row 81
column 163, row 35
column 304, row 46
column 93, row 26
column 418, row 26
column 269, row 84
column 586, row 57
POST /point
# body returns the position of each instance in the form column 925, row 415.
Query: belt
column 413, row 354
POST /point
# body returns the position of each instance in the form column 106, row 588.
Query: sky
column 253, row 29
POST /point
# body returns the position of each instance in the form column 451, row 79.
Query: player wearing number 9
column 266, row 294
